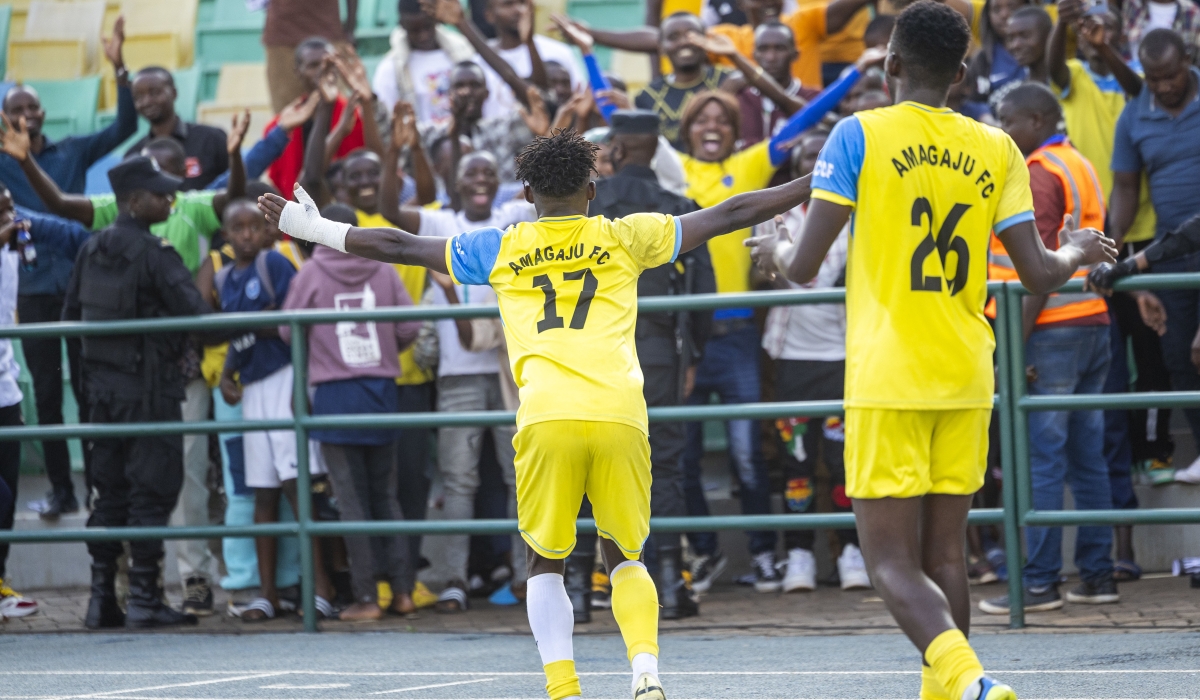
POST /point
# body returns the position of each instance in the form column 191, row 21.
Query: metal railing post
column 308, row 566
column 1018, row 494
column 1012, row 527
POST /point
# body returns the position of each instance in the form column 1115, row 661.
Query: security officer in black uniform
column 668, row 346
column 126, row 272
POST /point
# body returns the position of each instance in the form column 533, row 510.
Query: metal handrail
column 1012, row 405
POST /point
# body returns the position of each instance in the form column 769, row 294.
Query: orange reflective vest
column 1084, row 201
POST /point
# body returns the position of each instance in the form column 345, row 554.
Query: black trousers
column 811, row 380
column 412, row 461
column 10, row 470
column 1149, row 430
column 364, row 482
column 137, row 480
column 44, row 358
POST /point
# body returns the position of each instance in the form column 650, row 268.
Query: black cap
column 142, row 173
column 634, row 121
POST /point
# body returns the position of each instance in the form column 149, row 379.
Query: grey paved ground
column 421, row 666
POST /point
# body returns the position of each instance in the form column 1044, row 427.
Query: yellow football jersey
column 567, row 290
column 927, row 186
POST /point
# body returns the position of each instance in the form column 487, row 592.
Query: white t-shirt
column 429, row 72
column 10, row 371
column 809, row 331
column 1162, row 15
column 501, row 99
column 453, row 359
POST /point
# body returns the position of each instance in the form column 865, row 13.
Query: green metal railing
column 1012, row 405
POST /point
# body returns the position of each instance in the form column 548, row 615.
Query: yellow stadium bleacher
column 147, row 20
column 59, row 41
column 47, row 59
column 240, row 86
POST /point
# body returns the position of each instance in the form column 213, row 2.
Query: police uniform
column 667, row 343
column 126, row 272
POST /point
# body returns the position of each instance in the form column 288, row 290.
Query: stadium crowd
column 1102, row 100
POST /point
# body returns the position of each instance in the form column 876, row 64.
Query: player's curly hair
column 932, row 40
column 558, row 165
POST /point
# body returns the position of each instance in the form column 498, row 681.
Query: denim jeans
column 1068, row 447
column 730, row 370
column 1118, row 451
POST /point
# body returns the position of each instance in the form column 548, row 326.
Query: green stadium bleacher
column 607, row 14
column 70, row 105
column 187, row 88
column 5, row 21
column 226, row 31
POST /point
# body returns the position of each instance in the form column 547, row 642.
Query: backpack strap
column 264, row 275
column 220, row 277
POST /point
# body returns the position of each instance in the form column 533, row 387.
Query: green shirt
column 189, row 229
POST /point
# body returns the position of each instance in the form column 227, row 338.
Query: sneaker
column 648, row 688
column 1097, row 592
column 991, row 690
column 852, row 570
column 979, row 571
column 198, row 597
column 13, row 604
column 1038, row 599
column 421, row 595
column 1159, row 471
column 999, row 562
column 766, row 576
column 601, row 590
column 1191, row 475
column 705, row 570
column 801, row 571
column 53, row 506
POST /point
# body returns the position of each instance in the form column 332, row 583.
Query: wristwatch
column 122, row 72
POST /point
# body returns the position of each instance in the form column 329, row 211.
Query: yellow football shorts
column 557, row 462
column 902, row 454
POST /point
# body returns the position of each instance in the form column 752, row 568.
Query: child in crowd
column 352, row 369
column 238, row 553
column 258, row 280
column 808, row 343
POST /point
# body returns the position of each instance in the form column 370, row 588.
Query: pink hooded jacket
column 347, row 350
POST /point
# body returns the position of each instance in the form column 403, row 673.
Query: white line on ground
column 110, row 693
column 435, row 685
column 311, row 686
column 366, row 674
column 150, row 697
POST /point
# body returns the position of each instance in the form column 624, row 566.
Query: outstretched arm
column 451, row 12
column 404, row 133
column 69, row 206
column 1041, row 270
column 839, row 12
column 301, row 219
column 1069, row 13
column 742, row 211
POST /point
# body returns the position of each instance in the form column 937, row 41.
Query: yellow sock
column 931, row 687
column 561, row 679
column 635, row 607
column 954, row 662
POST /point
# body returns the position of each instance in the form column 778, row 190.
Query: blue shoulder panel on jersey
column 678, row 239
column 841, row 160
column 473, row 255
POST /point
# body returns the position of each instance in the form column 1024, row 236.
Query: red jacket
column 287, row 167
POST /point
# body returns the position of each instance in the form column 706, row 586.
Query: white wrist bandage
column 301, row 219
column 784, row 252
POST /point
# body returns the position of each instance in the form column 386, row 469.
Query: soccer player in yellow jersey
column 567, row 290
column 926, row 187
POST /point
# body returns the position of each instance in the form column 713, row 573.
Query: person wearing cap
column 126, row 272
column 668, row 346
